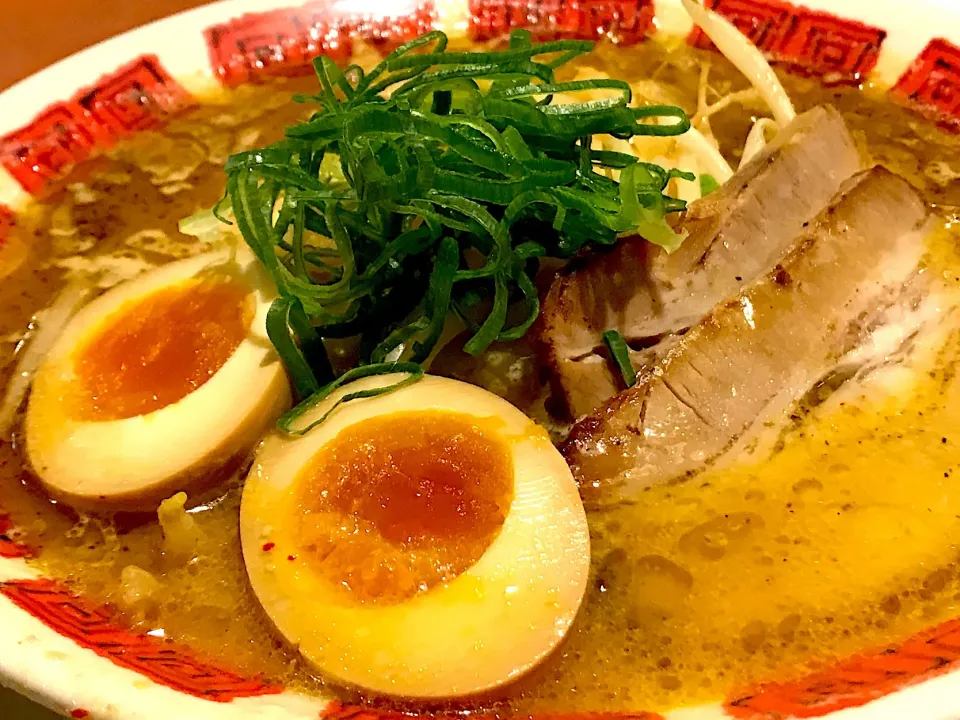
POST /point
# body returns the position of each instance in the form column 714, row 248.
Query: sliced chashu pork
column 745, row 362
column 735, row 233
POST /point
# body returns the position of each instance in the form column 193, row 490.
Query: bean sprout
column 738, row 49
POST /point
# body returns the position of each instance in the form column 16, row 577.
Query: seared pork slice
column 735, row 233
column 889, row 350
column 745, row 362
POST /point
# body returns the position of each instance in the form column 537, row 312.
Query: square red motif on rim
column 56, row 140
column 390, row 32
column 276, row 43
column 91, row 627
column 137, row 96
column 629, row 21
column 284, row 42
column 838, row 50
column 932, row 82
column 855, row 681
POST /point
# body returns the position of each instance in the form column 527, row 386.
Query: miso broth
column 844, row 539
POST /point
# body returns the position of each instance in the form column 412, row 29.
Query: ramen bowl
column 134, row 100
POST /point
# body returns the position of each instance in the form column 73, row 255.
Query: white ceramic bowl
column 70, row 655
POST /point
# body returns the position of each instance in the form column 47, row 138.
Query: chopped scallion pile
column 434, row 184
column 620, row 354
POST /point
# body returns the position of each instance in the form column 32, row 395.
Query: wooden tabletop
column 40, row 32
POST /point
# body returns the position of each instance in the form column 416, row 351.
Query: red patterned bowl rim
column 70, row 654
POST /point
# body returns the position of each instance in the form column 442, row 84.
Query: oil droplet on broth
column 713, row 539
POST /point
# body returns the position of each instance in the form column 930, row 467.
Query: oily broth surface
column 843, row 541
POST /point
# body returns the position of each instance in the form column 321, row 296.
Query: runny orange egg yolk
column 156, row 350
column 396, row 504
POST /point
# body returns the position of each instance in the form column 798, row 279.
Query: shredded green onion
column 288, row 421
column 620, row 353
column 434, row 184
column 708, row 183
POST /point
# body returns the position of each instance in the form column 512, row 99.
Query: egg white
column 489, row 625
column 134, row 463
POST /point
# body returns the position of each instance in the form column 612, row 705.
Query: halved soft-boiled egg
column 429, row 542
column 163, row 383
